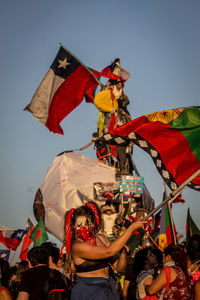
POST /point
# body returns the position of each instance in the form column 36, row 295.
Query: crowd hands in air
column 98, row 263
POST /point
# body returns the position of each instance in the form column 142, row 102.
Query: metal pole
column 175, row 194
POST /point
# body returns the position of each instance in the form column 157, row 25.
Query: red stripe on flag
column 10, row 243
column 26, row 243
column 171, row 144
column 174, row 150
column 68, row 96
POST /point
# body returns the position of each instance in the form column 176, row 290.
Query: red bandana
column 85, row 235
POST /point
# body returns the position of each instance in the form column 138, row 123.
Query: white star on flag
column 19, row 234
column 3, row 255
column 63, row 63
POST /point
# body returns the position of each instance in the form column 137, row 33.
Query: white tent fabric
column 68, row 180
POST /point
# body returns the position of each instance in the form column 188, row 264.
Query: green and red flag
column 90, row 93
column 39, row 234
column 171, row 137
column 191, row 227
column 165, row 235
column 61, row 91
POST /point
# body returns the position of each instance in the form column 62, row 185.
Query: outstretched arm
column 86, row 251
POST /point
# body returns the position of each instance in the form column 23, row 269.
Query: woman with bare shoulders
column 93, row 255
column 173, row 282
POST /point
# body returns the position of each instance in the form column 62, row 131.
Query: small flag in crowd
column 11, row 238
column 165, row 236
column 61, row 91
column 5, row 254
column 27, row 241
column 116, row 72
column 39, row 234
column 164, row 135
column 191, row 227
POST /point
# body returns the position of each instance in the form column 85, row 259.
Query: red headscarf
column 93, row 209
column 68, row 232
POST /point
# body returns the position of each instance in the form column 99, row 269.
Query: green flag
column 191, row 227
column 39, row 234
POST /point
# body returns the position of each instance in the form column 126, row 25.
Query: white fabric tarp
column 68, row 181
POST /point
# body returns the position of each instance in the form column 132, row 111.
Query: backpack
column 58, row 294
column 55, row 287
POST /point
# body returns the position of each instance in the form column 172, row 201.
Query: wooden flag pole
column 175, row 194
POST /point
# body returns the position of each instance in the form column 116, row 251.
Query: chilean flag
column 11, row 238
column 61, row 91
column 26, row 240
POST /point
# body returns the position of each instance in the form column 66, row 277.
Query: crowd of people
column 99, row 263
column 95, row 267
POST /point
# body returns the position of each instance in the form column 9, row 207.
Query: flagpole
column 175, row 194
column 79, row 62
column 172, row 223
column 170, row 216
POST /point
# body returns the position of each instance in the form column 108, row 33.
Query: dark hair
column 159, row 255
column 38, row 255
column 95, row 134
column 140, row 260
column 5, row 272
column 53, row 251
column 117, row 60
column 85, row 211
column 23, row 266
column 179, row 256
column 193, row 248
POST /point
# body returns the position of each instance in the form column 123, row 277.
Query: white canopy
column 68, row 181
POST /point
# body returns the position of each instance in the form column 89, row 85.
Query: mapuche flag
column 166, row 235
column 39, row 234
column 171, row 137
column 61, row 91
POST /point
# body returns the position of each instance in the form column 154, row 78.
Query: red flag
column 164, row 135
column 27, row 241
column 90, row 94
column 61, row 91
column 110, row 72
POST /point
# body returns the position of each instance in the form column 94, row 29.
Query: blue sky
column 157, row 42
